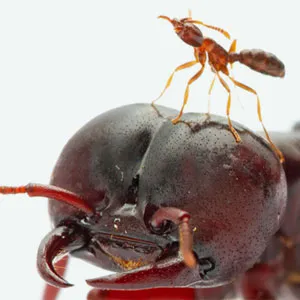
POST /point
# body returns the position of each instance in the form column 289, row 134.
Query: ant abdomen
column 260, row 61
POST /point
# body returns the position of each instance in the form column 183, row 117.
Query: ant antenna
column 166, row 18
column 49, row 191
column 224, row 32
column 180, row 218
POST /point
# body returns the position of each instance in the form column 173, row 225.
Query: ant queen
column 218, row 58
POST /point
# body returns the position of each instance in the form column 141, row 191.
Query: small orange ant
column 218, row 59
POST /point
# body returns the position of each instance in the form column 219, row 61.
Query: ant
column 218, row 59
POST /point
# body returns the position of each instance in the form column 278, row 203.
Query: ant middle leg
column 186, row 94
column 233, row 131
column 181, row 67
column 209, row 94
column 249, row 89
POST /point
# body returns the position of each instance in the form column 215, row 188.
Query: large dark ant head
column 165, row 205
column 204, row 188
column 187, row 31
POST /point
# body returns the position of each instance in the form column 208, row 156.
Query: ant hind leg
column 249, row 89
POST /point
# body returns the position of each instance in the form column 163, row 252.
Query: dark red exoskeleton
column 168, row 205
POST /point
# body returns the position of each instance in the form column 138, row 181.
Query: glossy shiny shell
column 234, row 192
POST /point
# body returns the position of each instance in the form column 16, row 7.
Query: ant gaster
column 218, row 59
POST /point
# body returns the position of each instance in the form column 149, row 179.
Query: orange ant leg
column 232, row 49
column 186, row 93
column 224, row 32
column 249, row 89
column 209, row 94
column 233, row 131
column 181, row 67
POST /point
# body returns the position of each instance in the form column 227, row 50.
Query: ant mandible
column 218, row 59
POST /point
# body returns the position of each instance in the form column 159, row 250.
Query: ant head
column 186, row 30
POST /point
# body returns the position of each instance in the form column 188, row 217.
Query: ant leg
column 249, row 89
column 233, row 131
column 181, row 67
column 224, row 32
column 209, row 94
column 232, row 49
column 186, row 94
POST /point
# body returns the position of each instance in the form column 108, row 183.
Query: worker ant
column 218, row 59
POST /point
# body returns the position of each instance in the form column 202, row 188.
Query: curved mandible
column 56, row 244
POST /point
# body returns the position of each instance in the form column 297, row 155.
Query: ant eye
column 165, row 227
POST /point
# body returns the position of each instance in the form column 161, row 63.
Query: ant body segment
column 218, row 58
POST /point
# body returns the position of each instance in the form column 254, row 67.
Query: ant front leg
column 186, row 94
column 249, row 89
column 181, row 67
column 201, row 59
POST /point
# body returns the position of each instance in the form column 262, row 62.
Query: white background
column 64, row 62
